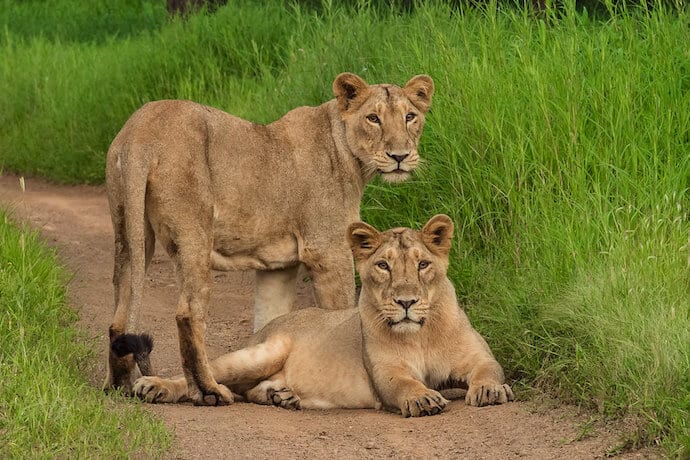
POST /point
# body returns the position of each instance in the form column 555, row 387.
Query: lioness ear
column 438, row 233
column 346, row 88
column 419, row 91
column 364, row 240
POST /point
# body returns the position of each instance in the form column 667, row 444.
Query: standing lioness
column 220, row 192
column 407, row 339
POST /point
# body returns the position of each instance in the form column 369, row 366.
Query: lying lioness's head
column 384, row 122
column 401, row 270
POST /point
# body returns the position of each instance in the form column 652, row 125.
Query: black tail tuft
column 138, row 344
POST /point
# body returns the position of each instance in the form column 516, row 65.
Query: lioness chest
column 234, row 249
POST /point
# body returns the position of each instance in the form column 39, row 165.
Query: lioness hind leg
column 285, row 398
column 123, row 354
column 274, row 392
column 252, row 364
column 233, row 370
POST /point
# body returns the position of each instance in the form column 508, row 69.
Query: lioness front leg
column 489, row 393
column 422, row 402
column 276, row 292
column 399, row 389
column 334, row 280
column 194, row 272
column 487, row 385
column 485, row 379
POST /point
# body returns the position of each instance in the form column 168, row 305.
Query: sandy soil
column 76, row 221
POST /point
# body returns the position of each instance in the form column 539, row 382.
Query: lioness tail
column 140, row 345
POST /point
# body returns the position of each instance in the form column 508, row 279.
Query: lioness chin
column 220, row 192
column 407, row 339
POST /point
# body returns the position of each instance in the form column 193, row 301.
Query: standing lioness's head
column 402, row 271
column 384, row 122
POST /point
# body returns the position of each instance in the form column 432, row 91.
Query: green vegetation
column 47, row 407
column 558, row 143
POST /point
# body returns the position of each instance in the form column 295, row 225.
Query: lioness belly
column 244, row 254
column 337, row 382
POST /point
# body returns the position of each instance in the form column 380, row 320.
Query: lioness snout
column 406, row 304
column 399, row 157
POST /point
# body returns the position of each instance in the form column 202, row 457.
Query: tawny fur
column 407, row 339
column 220, row 192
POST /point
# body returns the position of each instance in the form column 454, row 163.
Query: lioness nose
column 399, row 157
column 406, row 304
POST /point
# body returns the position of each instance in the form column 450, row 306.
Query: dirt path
column 76, row 221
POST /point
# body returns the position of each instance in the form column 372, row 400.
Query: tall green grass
column 47, row 407
column 558, row 143
column 74, row 21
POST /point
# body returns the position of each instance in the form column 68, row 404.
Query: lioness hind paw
column 284, row 398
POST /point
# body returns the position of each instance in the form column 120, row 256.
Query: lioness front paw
column 430, row 402
column 489, row 393
column 220, row 395
column 155, row 390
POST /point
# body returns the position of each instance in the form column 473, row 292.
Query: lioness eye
column 372, row 117
column 383, row 265
column 410, row 116
column 423, row 264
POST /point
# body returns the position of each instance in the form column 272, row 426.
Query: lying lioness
column 407, row 338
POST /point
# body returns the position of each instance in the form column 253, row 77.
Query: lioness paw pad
column 429, row 403
column 487, row 394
